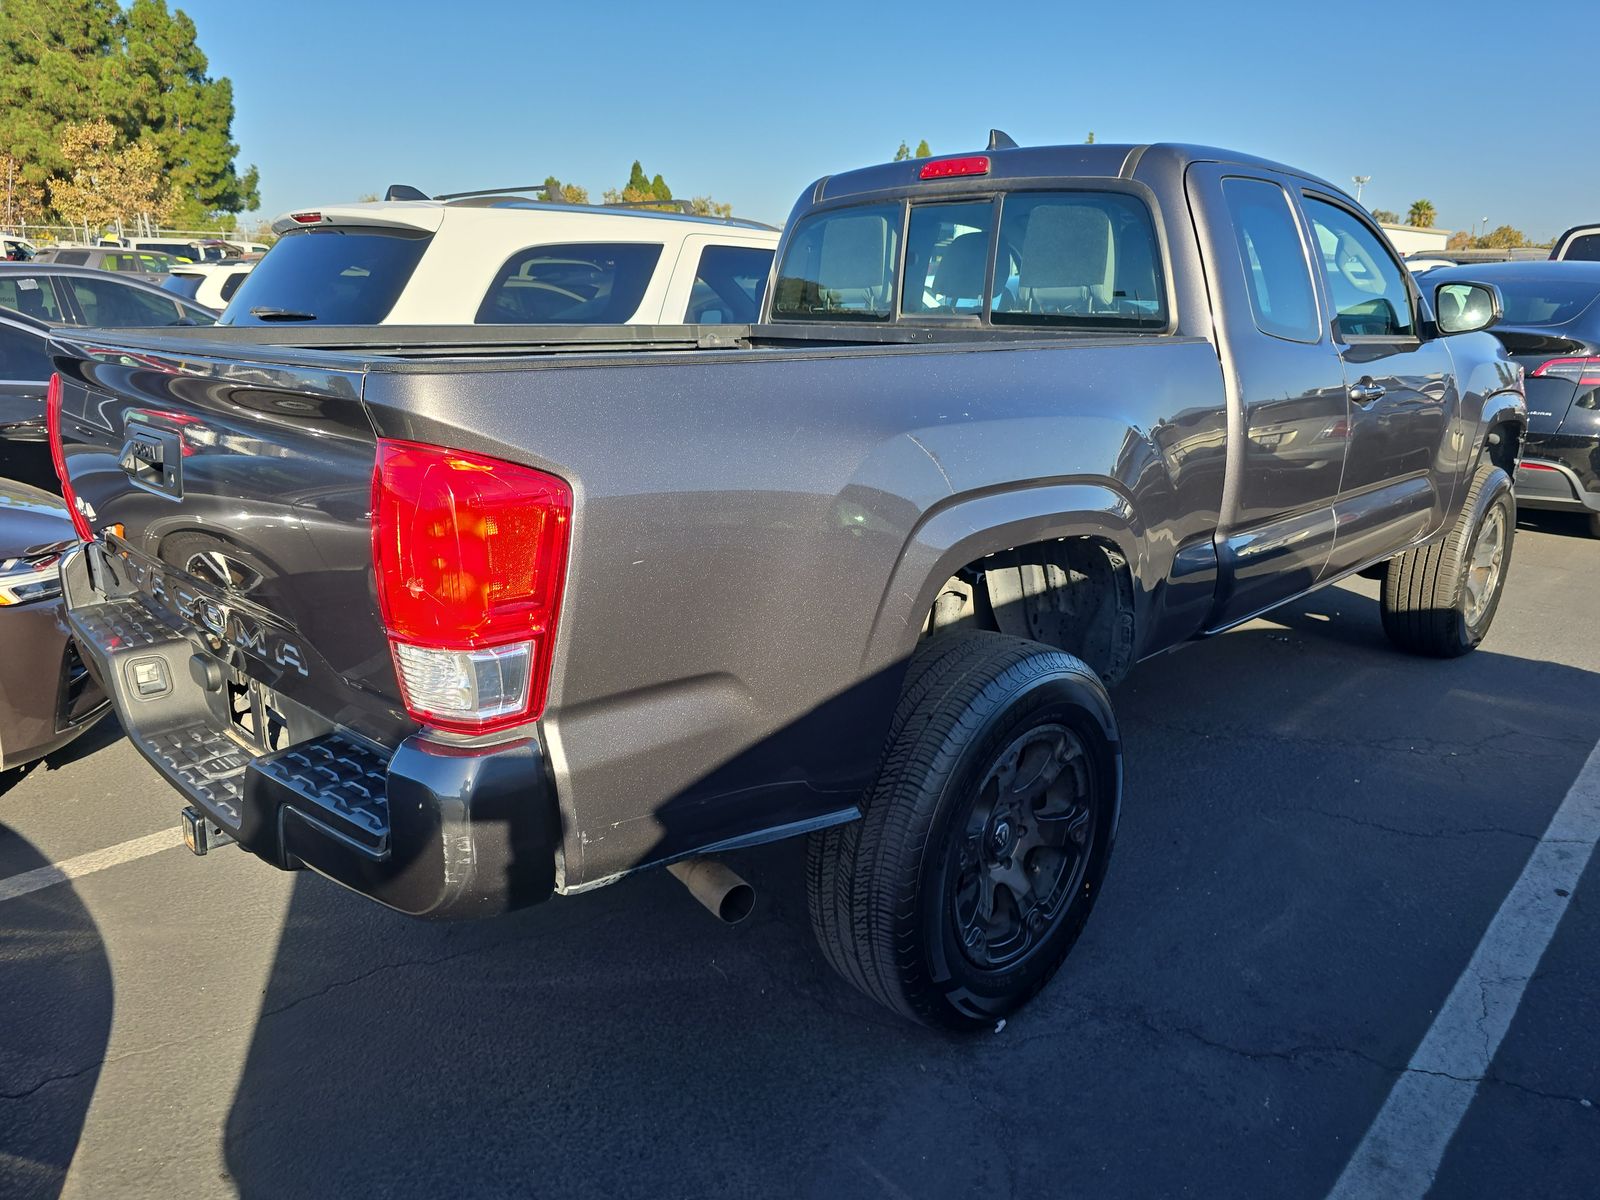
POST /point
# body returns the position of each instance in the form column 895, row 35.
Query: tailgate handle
column 151, row 458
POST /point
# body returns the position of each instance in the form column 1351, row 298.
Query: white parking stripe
column 87, row 864
column 1401, row 1152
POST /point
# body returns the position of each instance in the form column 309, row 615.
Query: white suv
column 498, row 260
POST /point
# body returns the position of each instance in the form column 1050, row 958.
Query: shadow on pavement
column 55, row 1023
column 1316, row 831
column 1568, row 524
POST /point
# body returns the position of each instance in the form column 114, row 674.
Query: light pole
column 1360, row 181
column 1483, row 225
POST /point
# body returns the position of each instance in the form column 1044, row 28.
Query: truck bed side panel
column 739, row 517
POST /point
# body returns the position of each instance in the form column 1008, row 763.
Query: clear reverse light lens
column 22, row 581
column 473, row 685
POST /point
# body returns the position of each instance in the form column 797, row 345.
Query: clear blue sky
column 1454, row 102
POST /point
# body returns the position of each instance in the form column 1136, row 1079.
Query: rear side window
column 1081, row 260
column 105, row 302
column 840, row 266
column 1583, row 248
column 22, row 356
column 31, row 295
column 727, row 285
column 1274, row 260
column 586, row 284
column 329, row 277
column 230, row 285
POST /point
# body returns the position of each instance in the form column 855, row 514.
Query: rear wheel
column 985, row 840
column 1440, row 599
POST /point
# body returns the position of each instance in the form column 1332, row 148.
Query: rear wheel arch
column 1081, row 524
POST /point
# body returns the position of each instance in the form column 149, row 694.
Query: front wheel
column 985, row 840
column 1440, row 599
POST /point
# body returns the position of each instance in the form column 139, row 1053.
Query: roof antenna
column 999, row 139
column 404, row 191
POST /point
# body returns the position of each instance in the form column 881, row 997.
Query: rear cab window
column 329, row 276
column 589, row 283
column 1080, row 259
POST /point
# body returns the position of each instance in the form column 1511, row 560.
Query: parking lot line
column 87, row 864
column 1401, row 1152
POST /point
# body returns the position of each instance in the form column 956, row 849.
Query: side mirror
column 1466, row 307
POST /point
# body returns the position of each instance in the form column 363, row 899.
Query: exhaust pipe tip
column 717, row 886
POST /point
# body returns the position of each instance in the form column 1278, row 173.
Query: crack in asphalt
column 1291, row 1054
column 1473, row 831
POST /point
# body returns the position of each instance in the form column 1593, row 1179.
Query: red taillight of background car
column 952, row 168
column 52, row 415
column 471, row 559
column 1585, row 372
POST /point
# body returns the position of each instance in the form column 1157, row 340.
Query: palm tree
column 1421, row 214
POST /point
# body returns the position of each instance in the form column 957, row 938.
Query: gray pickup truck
column 462, row 618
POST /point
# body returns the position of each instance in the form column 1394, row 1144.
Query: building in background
column 1415, row 239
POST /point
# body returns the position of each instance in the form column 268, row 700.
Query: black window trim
column 997, row 191
column 1307, row 234
column 1414, row 338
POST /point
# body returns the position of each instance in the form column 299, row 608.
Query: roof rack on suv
column 682, row 206
column 504, row 191
column 515, row 197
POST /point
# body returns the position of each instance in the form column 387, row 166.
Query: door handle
column 1366, row 391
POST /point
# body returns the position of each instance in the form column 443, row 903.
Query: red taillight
column 949, row 168
column 52, row 414
column 1585, row 372
column 471, row 557
column 306, row 218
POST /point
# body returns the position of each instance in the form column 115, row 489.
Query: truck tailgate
column 231, row 501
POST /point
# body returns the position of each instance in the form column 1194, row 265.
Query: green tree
column 1420, row 214
column 659, row 188
column 903, row 153
column 1503, row 237
column 922, row 149
column 564, row 193
column 705, row 206
column 1460, row 240
column 66, row 62
column 637, row 180
column 1384, row 217
column 110, row 182
column 21, row 201
column 1089, row 141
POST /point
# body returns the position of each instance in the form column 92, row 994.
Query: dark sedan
column 1551, row 326
column 46, row 696
column 35, row 296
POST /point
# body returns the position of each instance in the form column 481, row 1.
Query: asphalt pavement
column 1316, row 834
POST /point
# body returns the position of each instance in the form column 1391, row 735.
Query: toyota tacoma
column 465, row 617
